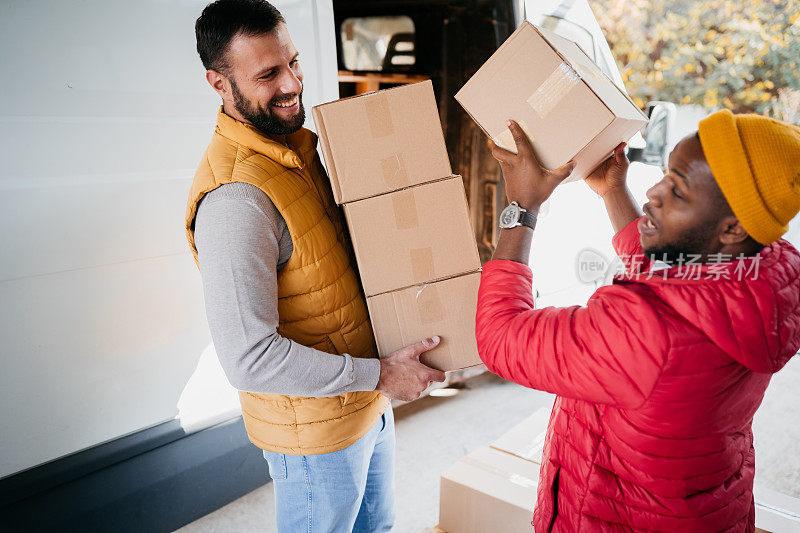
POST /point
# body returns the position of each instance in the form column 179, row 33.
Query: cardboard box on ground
column 408, row 220
column 566, row 105
column 494, row 487
column 526, row 439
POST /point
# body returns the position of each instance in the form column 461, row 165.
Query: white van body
column 105, row 117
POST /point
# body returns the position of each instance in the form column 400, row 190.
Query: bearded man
column 658, row 375
column 285, row 308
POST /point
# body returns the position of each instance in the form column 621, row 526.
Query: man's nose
column 654, row 193
column 290, row 83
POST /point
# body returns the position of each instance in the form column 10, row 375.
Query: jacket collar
column 301, row 143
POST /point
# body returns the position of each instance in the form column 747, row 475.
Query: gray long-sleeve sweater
column 242, row 241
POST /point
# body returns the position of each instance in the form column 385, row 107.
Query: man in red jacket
column 659, row 375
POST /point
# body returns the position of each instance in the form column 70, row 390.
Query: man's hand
column 609, row 180
column 611, row 173
column 403, row 377
column 527, row 182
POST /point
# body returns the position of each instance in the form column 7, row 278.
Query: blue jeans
column 347, row 490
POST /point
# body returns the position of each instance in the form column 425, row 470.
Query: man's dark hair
column 224, row 19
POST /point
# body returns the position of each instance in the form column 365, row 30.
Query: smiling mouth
column 648, row 219
column 287, row 103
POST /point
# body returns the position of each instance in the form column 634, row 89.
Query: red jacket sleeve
column 628, row 246
column 611, row 351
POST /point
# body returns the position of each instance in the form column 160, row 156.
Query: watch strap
column 526, row 218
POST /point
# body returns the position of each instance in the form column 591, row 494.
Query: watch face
column 509, row 216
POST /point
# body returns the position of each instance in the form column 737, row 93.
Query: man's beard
column 684, row 248
column 263, row 119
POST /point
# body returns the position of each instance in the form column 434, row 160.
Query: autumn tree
column 740, row 55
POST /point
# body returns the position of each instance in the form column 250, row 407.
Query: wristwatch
column 513, row 216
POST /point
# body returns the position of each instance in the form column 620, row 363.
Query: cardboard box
column 488, row 490
column 382, row 141
column 412, row 236
column 775, row 511
column 526, row 439
column 566, row 105
column 445, row 308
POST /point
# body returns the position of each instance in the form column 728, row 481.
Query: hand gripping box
column 445, row 308
column 568, row 108
column 382, row 141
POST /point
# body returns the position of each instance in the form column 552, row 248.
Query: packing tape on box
column 378, row 115
column 405, row 210
column 394, row 172
column 515, row 478
column 429, row 304
column 422, row 264
column 553, row 89
column 505, row 139
column 589, row 71
column 535, row 449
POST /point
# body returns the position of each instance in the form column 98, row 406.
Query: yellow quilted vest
column 320, row 302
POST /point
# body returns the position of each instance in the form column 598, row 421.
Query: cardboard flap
column 498, row 475
column 526, row 439
column 330, row 165
column 603, row 86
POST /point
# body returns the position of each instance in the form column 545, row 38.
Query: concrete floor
column 434, row 432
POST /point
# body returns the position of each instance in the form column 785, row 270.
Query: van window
column 378, row 43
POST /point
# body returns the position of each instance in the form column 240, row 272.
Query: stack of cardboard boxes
column 408, row 220
column 494, row 487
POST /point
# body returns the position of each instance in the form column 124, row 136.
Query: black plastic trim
column 158, row 479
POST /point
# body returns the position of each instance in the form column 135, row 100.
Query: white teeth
column 650, row 224
column 287, row 104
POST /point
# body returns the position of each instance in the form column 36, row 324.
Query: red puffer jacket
column 657, row 382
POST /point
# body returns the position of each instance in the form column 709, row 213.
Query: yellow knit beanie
column 756, row 162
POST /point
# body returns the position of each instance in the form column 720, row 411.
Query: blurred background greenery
column 744, row 55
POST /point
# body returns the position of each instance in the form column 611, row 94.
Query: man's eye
column 676, row 193
column 293, row 62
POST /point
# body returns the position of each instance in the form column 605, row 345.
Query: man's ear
column 219, row 83
column 732, row 231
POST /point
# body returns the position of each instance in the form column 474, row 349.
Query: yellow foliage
column 720, row 52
